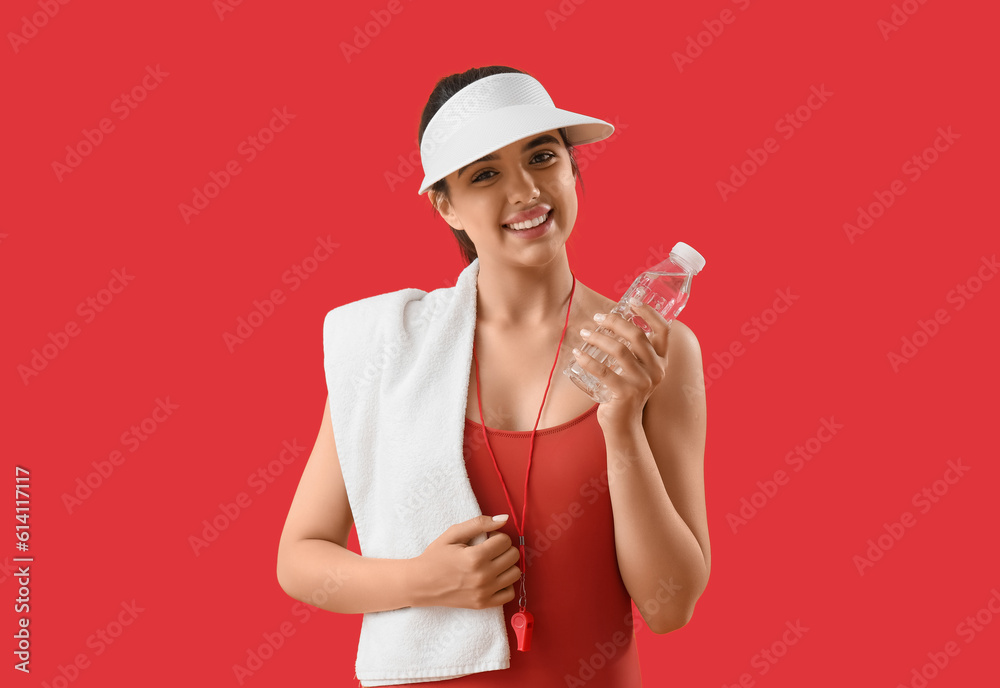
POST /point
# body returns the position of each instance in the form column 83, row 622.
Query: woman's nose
column 521, row 186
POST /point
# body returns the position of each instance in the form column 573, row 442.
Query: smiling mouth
column 530, row 223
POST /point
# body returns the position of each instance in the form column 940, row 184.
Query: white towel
column 397, row 371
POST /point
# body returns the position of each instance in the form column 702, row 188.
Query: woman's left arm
column 654, row 428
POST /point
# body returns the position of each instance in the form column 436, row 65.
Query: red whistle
column 523, row 623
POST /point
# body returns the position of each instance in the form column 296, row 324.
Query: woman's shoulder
column 595, row 301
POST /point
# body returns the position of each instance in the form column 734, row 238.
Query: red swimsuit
column 583, row 633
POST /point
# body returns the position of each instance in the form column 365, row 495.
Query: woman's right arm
column 314, row 564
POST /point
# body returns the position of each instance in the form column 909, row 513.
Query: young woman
column 615, row 491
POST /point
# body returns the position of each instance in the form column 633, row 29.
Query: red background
column 324, row 175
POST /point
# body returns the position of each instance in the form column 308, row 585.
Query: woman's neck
column 523, row 296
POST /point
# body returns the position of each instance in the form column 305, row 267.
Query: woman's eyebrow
column 537, row 141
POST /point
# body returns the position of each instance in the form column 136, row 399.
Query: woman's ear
column 444, row 207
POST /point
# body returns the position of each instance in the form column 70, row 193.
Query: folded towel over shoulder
column 397, row 371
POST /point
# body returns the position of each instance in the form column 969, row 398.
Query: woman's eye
column 480, row 177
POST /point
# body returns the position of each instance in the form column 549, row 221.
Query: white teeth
column 530, row 223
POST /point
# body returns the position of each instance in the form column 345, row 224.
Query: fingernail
column 584, row 332
column 634, row 301
column 599, row 317
column 501, row 517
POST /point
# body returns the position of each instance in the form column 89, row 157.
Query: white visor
column 494, row 112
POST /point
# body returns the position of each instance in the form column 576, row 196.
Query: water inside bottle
column 666, row 292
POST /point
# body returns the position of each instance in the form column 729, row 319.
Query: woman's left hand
column 643, row 363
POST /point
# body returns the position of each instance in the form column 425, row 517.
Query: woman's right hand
column 456, row 574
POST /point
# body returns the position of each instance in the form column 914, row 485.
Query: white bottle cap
column 690, row 256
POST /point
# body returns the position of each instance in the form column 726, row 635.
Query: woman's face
column 534, row 175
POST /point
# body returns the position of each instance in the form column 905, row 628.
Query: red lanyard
column 522, row 621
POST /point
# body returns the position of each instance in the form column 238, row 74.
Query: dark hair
column 445, row 89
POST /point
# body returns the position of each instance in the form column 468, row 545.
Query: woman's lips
column 528, row 224
column 535, row 212
column 534, row 231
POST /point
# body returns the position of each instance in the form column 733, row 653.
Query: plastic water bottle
column 666, row 287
